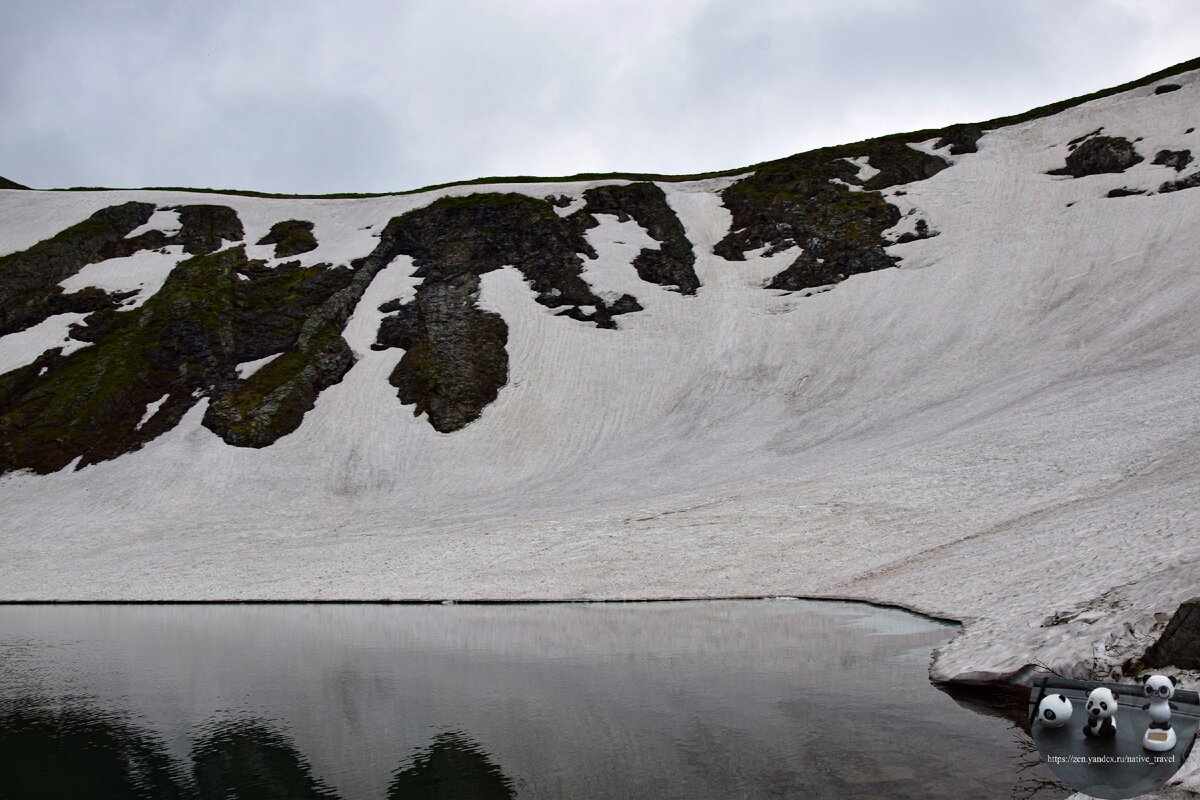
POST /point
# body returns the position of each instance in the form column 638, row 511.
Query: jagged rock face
column 796, row 202
column 673, row 264
column 291, row 238
column 1179, row 645
column 29, row 290
column 1098, row 155
column 214, row 312
column 455, row 362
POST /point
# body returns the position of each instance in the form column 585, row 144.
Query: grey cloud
column 377, row 96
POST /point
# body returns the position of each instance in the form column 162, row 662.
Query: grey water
column 663, row 701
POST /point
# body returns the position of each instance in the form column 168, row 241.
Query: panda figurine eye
column 1103, row 706
column 1149, row 690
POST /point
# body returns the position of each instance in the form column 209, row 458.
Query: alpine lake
column 590, row 701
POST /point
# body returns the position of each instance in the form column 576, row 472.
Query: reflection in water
column 672, row 701
column 48, row 753
column 249, row 759
column 453, row 768
column 81, row 753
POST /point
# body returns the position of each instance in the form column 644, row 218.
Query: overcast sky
column 300, row 96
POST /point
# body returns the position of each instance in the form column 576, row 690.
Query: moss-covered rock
column 212, row 313
column 291, row 238
column 29, row 290
column 807, row 201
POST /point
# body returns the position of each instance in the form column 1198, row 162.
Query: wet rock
column 29, row 290
column 291, row 238
column 1099, row 155
column 1176, row 159
column 1179, row 645
column 673, row 264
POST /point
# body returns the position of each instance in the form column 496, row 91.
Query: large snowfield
column 1002, row 429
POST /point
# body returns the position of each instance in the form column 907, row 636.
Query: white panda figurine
column 1159, row 689
column 1102, row 713
column 1054, row 711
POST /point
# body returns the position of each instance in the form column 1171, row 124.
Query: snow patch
column 143, row 272
column 161, row 220
column 248, row 368
column 23, row 347
column 865, row 170
column 151, row 410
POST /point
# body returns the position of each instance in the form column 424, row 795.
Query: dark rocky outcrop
column 1176, row 159
column 962, row 139
column 795, row 201
column 201, row 231
column 1099, row 155
column 291, row 238
column 1179, row 645
column 1164, row 88
column 29, row 290
column 183, row 343
column 5, row 183
column 1190, row 182
column 455, row 361
column 1125, row 191
column 673, row 264
column 203, row 227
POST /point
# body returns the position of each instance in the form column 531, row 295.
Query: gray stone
column 1179, row 645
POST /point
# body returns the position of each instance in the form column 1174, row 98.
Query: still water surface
column 670, row 701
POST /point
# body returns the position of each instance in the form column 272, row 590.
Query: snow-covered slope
column 1002, row 428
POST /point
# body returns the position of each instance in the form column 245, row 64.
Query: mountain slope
column 927, row 371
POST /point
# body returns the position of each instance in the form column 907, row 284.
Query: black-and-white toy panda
column 1102, row 711
column 1159, row 689
column 1054, row 711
